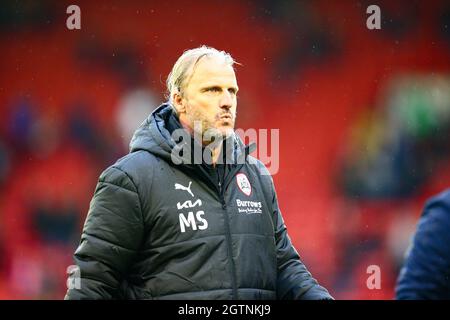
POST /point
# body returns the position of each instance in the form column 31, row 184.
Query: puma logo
column 181, row 187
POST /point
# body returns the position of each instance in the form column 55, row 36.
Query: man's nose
column 226, row 101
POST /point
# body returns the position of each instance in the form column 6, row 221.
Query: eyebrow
column 235, row 89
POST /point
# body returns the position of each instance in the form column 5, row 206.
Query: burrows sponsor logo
column 249, row 207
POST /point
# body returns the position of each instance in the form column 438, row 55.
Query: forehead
column 213, row 70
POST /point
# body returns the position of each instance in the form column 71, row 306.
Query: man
column 426, row 272
column 163, row 225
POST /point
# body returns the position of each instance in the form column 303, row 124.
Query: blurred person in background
column 133, row 106
column 162, row 229
column 426, row 271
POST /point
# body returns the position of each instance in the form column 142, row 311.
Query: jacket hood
column 154, row 136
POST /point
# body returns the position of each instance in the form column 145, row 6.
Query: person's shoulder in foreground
column 426, row 271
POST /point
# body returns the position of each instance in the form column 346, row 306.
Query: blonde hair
column 179, row 75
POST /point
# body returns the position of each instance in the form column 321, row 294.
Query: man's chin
column 218, row 133
column 226, row 131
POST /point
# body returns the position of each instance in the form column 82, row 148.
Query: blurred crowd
column 364, row 119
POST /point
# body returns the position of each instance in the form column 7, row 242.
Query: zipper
column 222, row 197
column 228, row 236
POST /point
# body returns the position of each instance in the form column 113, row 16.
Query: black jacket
column 426, row 271
column 157, row 230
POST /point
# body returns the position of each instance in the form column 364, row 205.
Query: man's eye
column 213, row 89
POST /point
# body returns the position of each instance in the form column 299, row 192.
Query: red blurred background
column 363, row 118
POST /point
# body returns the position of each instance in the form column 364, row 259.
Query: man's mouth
column 226, row 116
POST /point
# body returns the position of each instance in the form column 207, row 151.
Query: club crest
column 244, row 184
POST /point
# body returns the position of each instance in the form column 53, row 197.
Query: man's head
column 202, row 88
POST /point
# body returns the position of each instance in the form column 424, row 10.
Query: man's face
column 209, row 98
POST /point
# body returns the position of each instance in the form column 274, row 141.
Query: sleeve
column 294, row 280
column 111, row 236
column 426, row 271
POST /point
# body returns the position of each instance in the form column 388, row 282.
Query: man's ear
column 177, row 100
